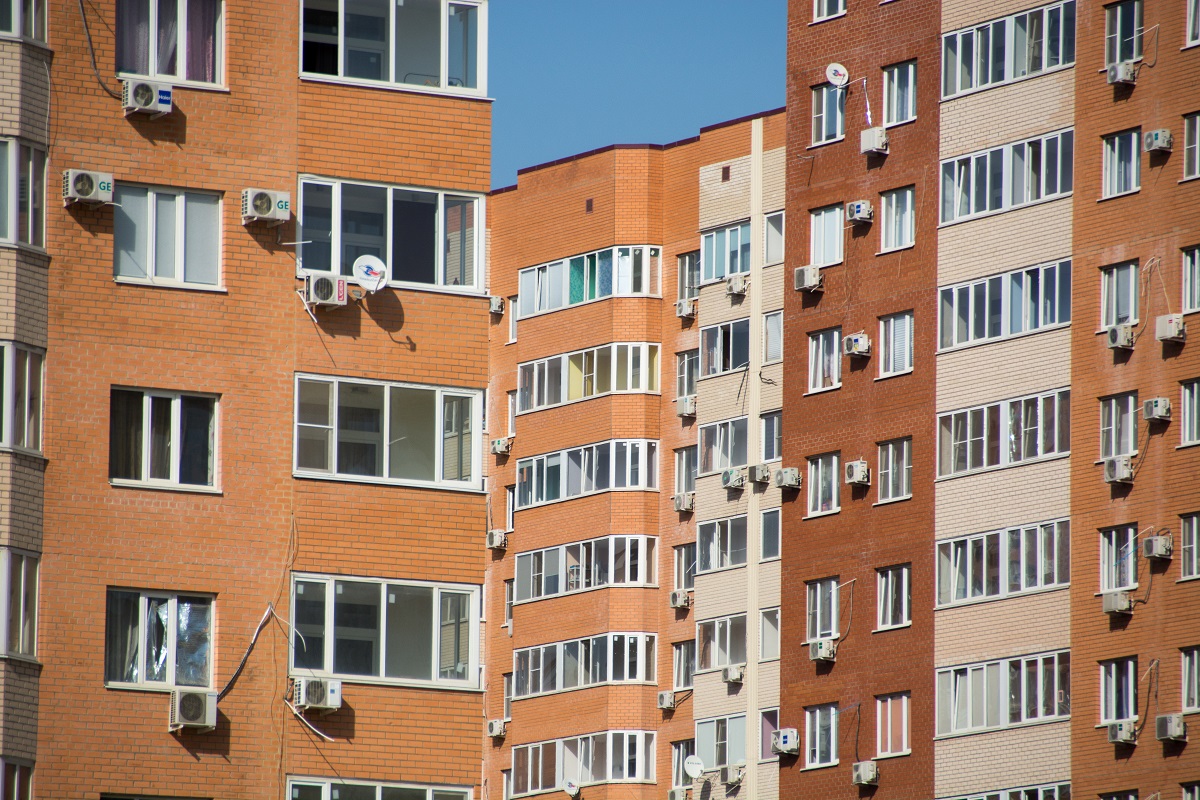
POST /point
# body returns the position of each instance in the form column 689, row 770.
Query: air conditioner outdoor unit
column 736, row 284
column 856, row 344
column 808, row 279
column 1159, row 546
column 760, row 473
column 495, row 305
column 497, row 539
column 787, row 478
column 1170, row 328
column 785, row 741
column 1118, row 470
column 732, row 776
column 496, row 728
column 859, row 211
column 144, row 97
column 685, row 501
column 680, row 598
column 502, row 445
column 666, row 700
column 1156, row 408
column 864, row 773
column 264, row 205
column 1123, row 732
column 677, row 794
column 873, row 140
column 84, row 186
column 734, row 674
column 685, row 406
column 196, row 711
column 1117, row 603
column 858, row 473
column 1120, row 337
column 822, row 650
column 733, row 478
column 325, row 290
column 317, row 694
column 1168, row 727
column 1159, row 139
column 1122, row 72
column 685, row 308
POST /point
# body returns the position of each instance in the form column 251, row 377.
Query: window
column 896, row 344
column 772, row 337
column 689, row 275
column 431, row 44
column 1007, row 177
column 723, row 445
column 1191, row 139
column 1191, row 279
column 828, row 110
column 513, row 316
column 772, row 436
column 508, row 696
column 609, row 756
column 1191, row 679
column 162, row 438
column 1122, row 161
column 588, row 277
column 995, row 694
column 158, row 639
column 685, row 470
column 1118, row 690
column 510, row 507
column 1118, row 559
column 1030, row 428
column 687, row 369
column 1123, row 31
column 590, row 564
column 900, row 93
column 680, row 751
column 1193, row 37
column 317, row 789
column 579, row 663
column 725, row 252
column 166, row 237
column 20, row 625
column 824, row 9
column 22, row 201
column 1189, row 551
column 1010, row 48
column 820, row 731
column 395, row 432
column 894, row 589
column 826, row 233
column 585, row 374
column 823, row 484
column 895, row 470
column 18, row 780
column 1025, row 300
column 1190, row 431
column 825, row 360
column 685, row 663
column 823, row 609
column 26, row 18
column 898, row 226
column 1118, row 425
column 721, row 742
column 721, row 544
column 685, row 566
column 20, row 396
column 770, row 534
column 725, row 347
column 603, row 467
column 891, row 725
column 721, row 642
column 509, row 587
column 1119, row 295
column 768, row 637
column 395, row 630
column 1025, row 558
column 172, row 40
column 773, row 246
column 426, row 238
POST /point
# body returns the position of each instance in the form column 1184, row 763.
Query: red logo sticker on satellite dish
column 836, row 74
column 370, row 273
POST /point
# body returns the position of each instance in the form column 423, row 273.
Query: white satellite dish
column 693, row 766
column 369, row 272
column 836, row 74
column 571, row 788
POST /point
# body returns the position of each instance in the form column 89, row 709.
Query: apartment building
column 258, row 496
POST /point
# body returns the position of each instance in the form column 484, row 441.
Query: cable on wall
column 92, row 52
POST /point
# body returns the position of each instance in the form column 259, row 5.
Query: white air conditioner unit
column 760, row 473
column 1118, row 470
column 733, row 478
column 808, row 279
column 1158, row 139
column 680, row 598
column 1170, row 328
column 736, row 285
column 1122, row 72
column 785, row 741
column 787, row 478
column 264, row 205
column 732, row 776
column 497, row 539
column 1170, row 727
column 873, row 140
column 677, row 794
column 495, row 305
column 1117, row 603
column 496, row 728
column 1123, row 732
column 864, row 773
column 85, row 186
column 1159, row 546
column 144, row 97
column 1120, row 337
column 325, row 290
column 858, row 473
column 859, row 211
column 734, row 674
column 685, row 406
column 822, row 650
column 1156, row 408
column 196, row 711
column 685, row 501
column 685, row 308
column 502, row 445
column 856, row 344
column 317, row 694
column 666, row 700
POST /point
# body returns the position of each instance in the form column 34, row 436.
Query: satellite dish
column 836, row 74
column 693, row 766
column 370, row 273
column 571, row 788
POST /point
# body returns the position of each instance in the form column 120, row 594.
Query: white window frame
column 828, row 98
column 771, row 535
column 637, row 663
column 828, row 9
column 774, row 239
column 1122, row 175
column 179, row 78
column 687, row 467
column 826, row 235
column 587, row 565
column 175, row 443
column 21, row 409
column 1033, row 557
column 1192, row 38
column 1123, row 23
column 897, row 107
column 992, row 695
column 824, row 467
column 171, row 598
column 30, row 26
column 688, row 268
column 324, row 787
column 975, row 437
column 537, row 391
column 772, row 436
column 719, row 345
column 768, row 634
column 24, row 163
column 1118, row 690
column 887, row 708
column 725, row 251
column 894, row 597
column 513, row 316
column 683, row 657
column 725, row 646
column 721, row 451
column 727, row 736
column 722, row 544
column 1119, row 425
column 1190, row 656
column 1119, row 559
column 147, row 230
column 768, row 724
column 1013, row 175
column 998, row 307
column 573, row 758
column 632, row 467
column 895, row 470
column 822, row 609
column 1191, row 132
column 1189, row 547
column 897, row 227
column 895, row 350
column 680, row 751
column 687, row 371
column 825, row 360
column 772, row 352
column 20, row 572
column 1113, row 293
column 547, row 287
column 1191, row 278
column 821, row 736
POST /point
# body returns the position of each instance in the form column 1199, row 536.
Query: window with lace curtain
column 158, row 639
column 173, row 40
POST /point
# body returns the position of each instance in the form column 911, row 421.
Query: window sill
column 714, row 670
column 318, row 476
column 841, row 138
column 811, row 392
column 1006, row 338
column 464, row 94
column 773, row 559
column 1189, row 178
column 1190, row 45
column 820, row 766
column 904, row 371
column 892, row 500
column 984, row 470
column 772, row 362
column 163, row 689
column 22, row 451
column 719, row 570
column 987, row 214
column 463, row 291
column 894, row 628
column 517, row 603
column 819, row 20
column 26, row 246
column 176, row 83
column 121, row 483
column 909, row 121
column 614, row 296
column 773, row 264
column 1104, row 331
column 817, row 514
column 1133, row 588
column 21, row 658
column 1187, row 445
column 22, row 39
column 1105, row 724
column 1119, row 195
column 899, row 249
column 601, row 684
column 191, row 287
column 1189, row 579
column 903, row 753
column 993, row 599
column 367, row 680
column 1100, row 461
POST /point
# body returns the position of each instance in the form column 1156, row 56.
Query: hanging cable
column 92, row 52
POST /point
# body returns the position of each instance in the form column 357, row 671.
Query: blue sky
column 574, row 75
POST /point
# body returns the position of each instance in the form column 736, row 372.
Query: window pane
column 462, row 40
column 202, row 239
column 131, row 256
column 165, row 224
column 125, row 435
column 454, row 636
column 459, row 251
column 197, row 421
column 316, row 233
column 418, row 42
column 309, row 610
column 409, row 632
column 413, row 444
column 356, row 628
column 314, row 429
column 193, row 636
column 157, row 626
column 364, row 221
column 121, row 637
column 360, row 429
